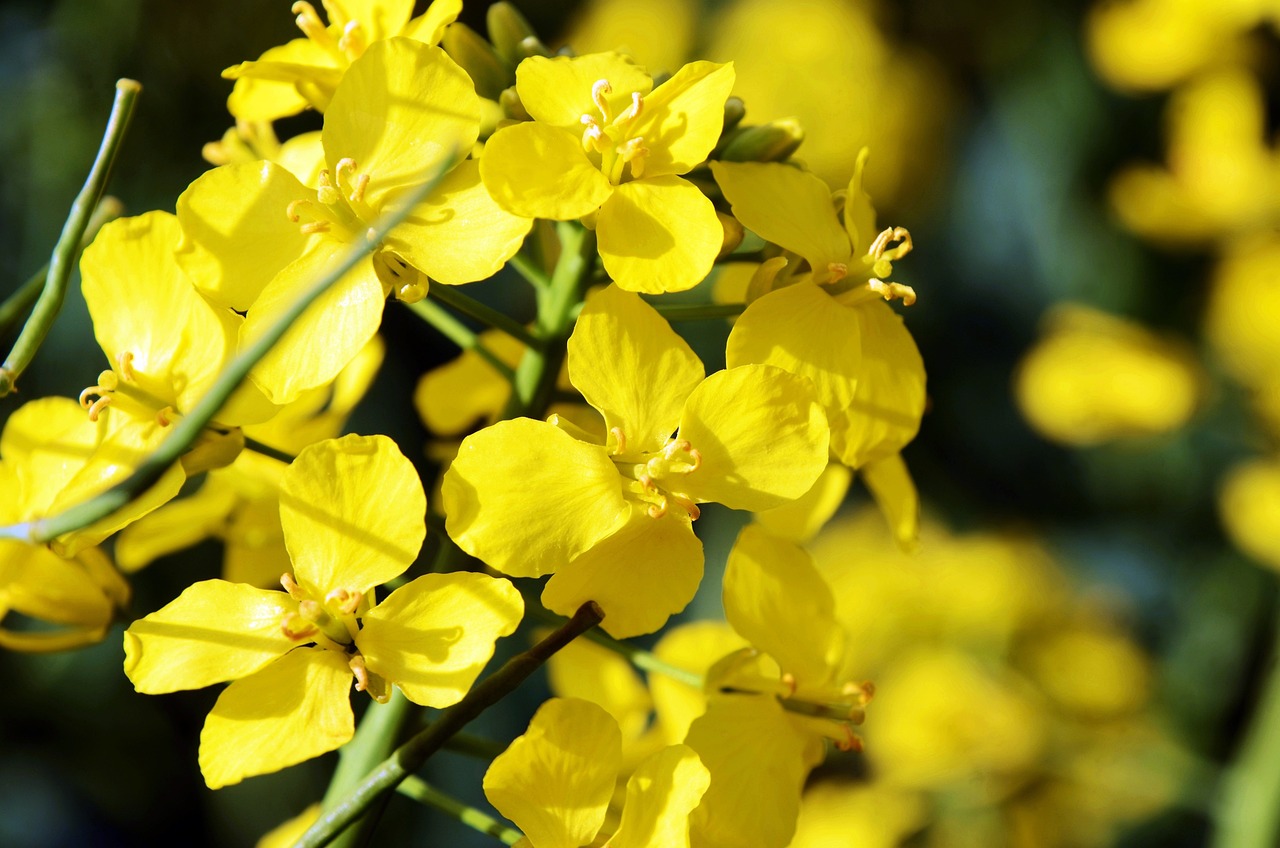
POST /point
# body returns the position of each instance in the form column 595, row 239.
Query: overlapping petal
column 683, row 117
column 557, row 91
column 539, row 171
column 265, row 90
column 658, row 234
column 661, row 795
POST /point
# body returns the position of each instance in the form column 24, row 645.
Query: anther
column 598, row 92
column 124, row 362
column 343, row 600
column 361, row 671
column 789, row 680
column 309, row 22
column 164, row 417
column 633, row 111
column 621, row 439
column 357, row 193
column 297, row 628
column 291, row 586
column 696, row 456
column 292, row 209
column 95, row 409
column 837, row 271
column 880, row 247
column 352, row 42
column 658, row 510
column 891, row 291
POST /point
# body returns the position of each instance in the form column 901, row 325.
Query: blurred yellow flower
column 1249, row 503
column 1093, row 378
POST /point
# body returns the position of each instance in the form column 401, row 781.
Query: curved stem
column 460, row 334
column 374, row 739
column 188, row 429
column 424, row 793
column 68, row 247
column 487, row 315
column 410, row 756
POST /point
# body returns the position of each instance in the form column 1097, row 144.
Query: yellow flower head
column 352, row 511
column 603, row 140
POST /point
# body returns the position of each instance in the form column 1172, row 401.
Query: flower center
column 339, row 207
column 347, row 47
column 612, row 138
column 654, row 477
column 332, row 623
column 118, row 387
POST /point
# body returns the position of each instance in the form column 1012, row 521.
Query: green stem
column 372, row 743
column 698, row 311
column 410, row 756
column 1249, row 803
column 64, row 253
column 530, row 270
column 477, row 747
column 487, row 315
column 424, row 793
column 460, row 334
column 16, row 304
column 188, row 429
column 266, row 450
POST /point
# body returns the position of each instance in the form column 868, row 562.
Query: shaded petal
column 758, row 762
column 429, row 27
column 587, row 670
column 44, row 444
column 459, row 234
column 800, row 520
column 895, row 493
column 803, row 330
column 859, row 214
column 176, row 526
column 557, row 91
column 452, row 397
column 401, row 110
column 658, row 235
column 213, row 632
column 38, row 583
column 661, row 795
column 537, row 171
column 555, row 781
column 327, row 336
column 694, row 647
column 353, row 513
column 260, row 94
column 683, row 117
column 377, row 19
column 888, row 402
column 777, row 600
column 787, row 206
column 640, row 576
column 527, row 498
column 236, row 234
column 632, row 367
column 433, row 636
column 762, row 436
column 294, row 709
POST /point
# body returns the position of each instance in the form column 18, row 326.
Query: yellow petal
column 576, row 497
column 353, row 513
column 376, row 19
column 236, row 234
column 859, row 214
column 800, row 520
column 327, row 336
column 429, row 27
column 640, row 576
column 557, row 91
column 683, row 117
column 660, row 797
column 555, row 781
column 777, row 600
column 294, row 709
column 787, row 206
column 453, row 396
column 287, row 833
column 694, row 647
column 762, row 436
column 44, row 444
column 895, row 493
column 259, row 96
column 401, row 110
column 658, row 234
column 213, row 632
column 1249, row 504
column 537, row 171
column 459, row 235
column 176, row 526
column 632, row 367
column 39, row 584
column 303, row 156
column 584, row 669
column 434, row 635
column 803, row 330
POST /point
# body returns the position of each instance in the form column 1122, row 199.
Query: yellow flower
column 602, row 142
column 614, row 520
column 352, row 511
column 305, row 72
column 255, row 237
column 1249, row 504
column 555, row 783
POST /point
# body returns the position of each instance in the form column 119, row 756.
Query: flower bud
column 478, row 58
column 511, row 34
column 771, row 142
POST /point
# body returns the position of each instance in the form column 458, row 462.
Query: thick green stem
column 424, row 793
column 188, row 429
column 1249, row 804
column 411, row 756
column 460, row 334
column 17, row 304
column 373, row 741
column 68, row 247
column 487, row 315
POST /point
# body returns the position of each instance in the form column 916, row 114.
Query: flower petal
column 40, row 584
column 401, row 110
column 450, row 398
column 353, row 513
column 640, row 576
column 787, row 206
column 683, row 117
column 555, row 781
column 658, row 234
column 661, row 795
column 259, row 95
column 537, row 171
column 433, row 636
column 800, row 520
column 694, row 647
column 177, row 525
column 557, row 91
column 429, row 27
column 459, row 234
column 895, row 493
column 632, row 367
column 587, row 670
column 859, row 214
column 294, row 709
column 762, row 436
column 213, row 632
column 527, row 498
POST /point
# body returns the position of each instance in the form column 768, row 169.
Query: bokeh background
column 1082, row 651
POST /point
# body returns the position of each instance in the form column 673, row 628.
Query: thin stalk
column 424, row 793
column 16, row 304
column 698, row 311
column 411, row 756
column 487, row 315
column 373, row 741
column 266, row 450
column 529, row 269
column 188, row 429
column 68, row 247
column 460, row 334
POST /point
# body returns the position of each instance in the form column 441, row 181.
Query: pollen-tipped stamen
column 598, row 91
column 352, row 41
